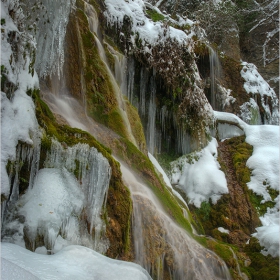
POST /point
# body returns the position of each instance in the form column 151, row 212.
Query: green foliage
column 212, row 215
column 155, row 16
column 3, row 21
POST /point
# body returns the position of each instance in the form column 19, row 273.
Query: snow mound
column 200, row 177
column 268, row 234
column 71, row 263
column 264, row 161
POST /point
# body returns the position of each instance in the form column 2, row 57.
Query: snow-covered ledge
column 231, row 119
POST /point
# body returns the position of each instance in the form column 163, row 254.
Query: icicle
column 151, row 128
column 228, row 131
column 50, row 36
column 130, row 79
column 144, row 78
column 215, row 73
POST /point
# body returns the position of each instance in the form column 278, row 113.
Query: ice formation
column 53, row 207
column 50, row 36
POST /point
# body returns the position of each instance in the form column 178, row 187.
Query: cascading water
column 50, row 214
column 164, row 249
column 93, row 19
column 215, row 75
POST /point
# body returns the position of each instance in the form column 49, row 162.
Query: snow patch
column 71, row 263
column 200, row 177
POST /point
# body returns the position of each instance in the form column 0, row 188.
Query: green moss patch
column 261, row 267
column 155, row 16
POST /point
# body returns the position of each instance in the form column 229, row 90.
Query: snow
column 250, row 112
column 227, row 99
column 18, row 120
column 72, row 262
column 149, row 32
column 255, row 84
column 268, row 234
column 200, row 177
column 12, row 271
column 264, row 161
column 223, row 230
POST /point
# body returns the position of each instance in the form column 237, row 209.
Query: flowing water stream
column 164, row 249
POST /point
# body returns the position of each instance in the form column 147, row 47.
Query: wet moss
column 136, row 126
column 261, row 267
column 241, row 151
column 102, row 104
column 155, row 16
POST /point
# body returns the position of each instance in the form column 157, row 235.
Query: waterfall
column 130, row 80
column 163, row 247
column 215, row 75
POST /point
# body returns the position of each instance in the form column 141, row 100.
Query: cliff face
column 118, row 83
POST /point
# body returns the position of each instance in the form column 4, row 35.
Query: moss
column 102, row 104
column 136, row 126
column 257, row 201
column 155, row 16
column 241, row 151
column 110, row 58
column 261, row 267
column 201, row 49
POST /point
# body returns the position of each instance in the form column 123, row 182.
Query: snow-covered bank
column 72, row 262
column 264, row 165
